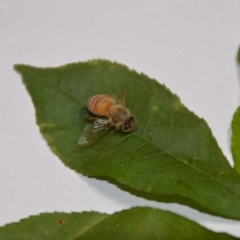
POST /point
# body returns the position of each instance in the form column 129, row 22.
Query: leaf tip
column 17, row 67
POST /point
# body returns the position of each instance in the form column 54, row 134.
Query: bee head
column 129, row 124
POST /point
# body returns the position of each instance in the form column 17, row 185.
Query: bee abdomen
column 100, row 104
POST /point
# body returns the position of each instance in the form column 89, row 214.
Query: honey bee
column 109, row 112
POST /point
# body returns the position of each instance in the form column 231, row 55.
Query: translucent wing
column 93, row 131
column 121, row 98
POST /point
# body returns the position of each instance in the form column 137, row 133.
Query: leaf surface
column 135, row 223
column 236, row 139
column 171, row 152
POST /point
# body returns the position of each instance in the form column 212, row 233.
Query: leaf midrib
column 176, row 158
column 54, row 87
column 87, row 229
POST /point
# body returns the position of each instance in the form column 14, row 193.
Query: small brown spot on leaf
column 61, row 221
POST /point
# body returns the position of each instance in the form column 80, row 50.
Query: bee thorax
column 122, row 119
column 119, row 114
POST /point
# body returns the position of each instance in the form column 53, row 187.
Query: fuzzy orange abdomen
column 100, row 104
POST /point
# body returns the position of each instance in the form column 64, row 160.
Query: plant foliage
column 135, row 223
column 171, row 152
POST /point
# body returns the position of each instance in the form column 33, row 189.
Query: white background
column 189, row 45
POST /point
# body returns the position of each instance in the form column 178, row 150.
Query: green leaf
column 236, row 139
column 135, row 223
column 171, row 152
column 238, row 56
column 52, row 226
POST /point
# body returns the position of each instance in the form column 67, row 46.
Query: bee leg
column 91, row 119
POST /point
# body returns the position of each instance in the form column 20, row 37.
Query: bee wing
column 93, row 131
column 121, row 98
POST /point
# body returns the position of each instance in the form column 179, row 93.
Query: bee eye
column 132, row 118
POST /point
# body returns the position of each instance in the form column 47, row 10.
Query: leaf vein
column 235, row 193
column 55, row 88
